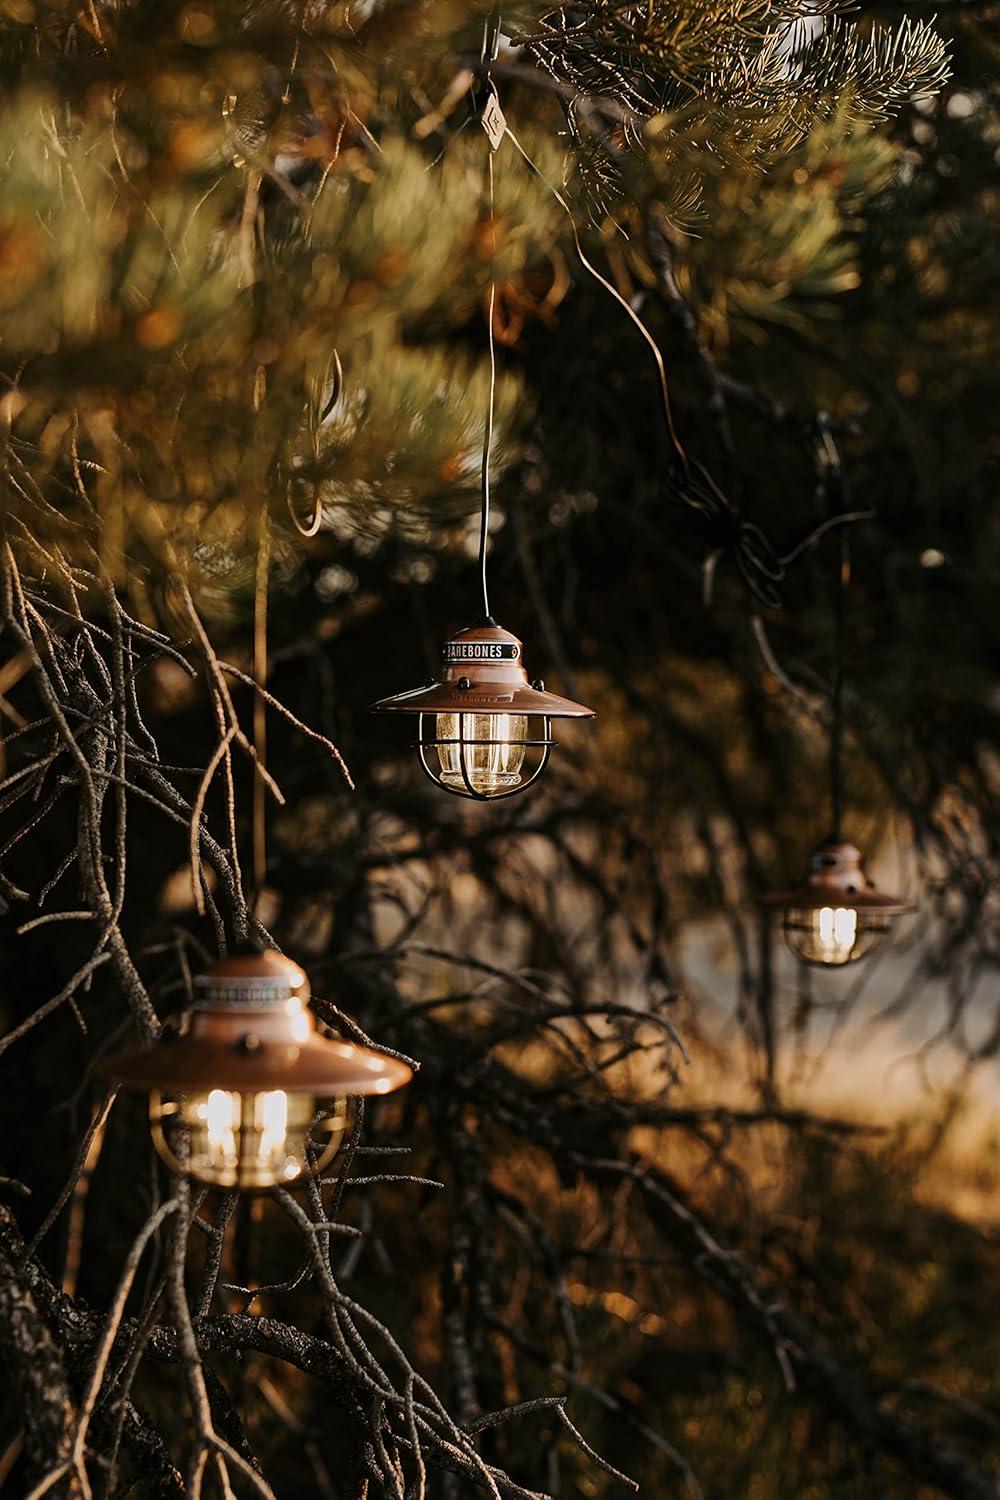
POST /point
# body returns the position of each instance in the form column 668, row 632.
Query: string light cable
column 761, row 565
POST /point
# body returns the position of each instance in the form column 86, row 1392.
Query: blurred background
column 650, row 1124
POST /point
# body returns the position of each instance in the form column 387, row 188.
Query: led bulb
column 836, row 928
column 490, row 746
column 251, row 1140
column 221, row 1115
column 833, row 935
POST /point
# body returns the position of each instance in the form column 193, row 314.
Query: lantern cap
column 836, row 877
column 250, row 1030
column 248, row 1063
column 253, row 975
column 482, row 672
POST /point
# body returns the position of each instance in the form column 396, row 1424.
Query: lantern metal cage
column 236, row 1097
column 836, row 916
column 483, row 730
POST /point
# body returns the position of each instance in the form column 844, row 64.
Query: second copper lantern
column 484, row 730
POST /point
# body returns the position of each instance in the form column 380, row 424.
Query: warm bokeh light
column 251, row 1140
column 833, row 935
column 493, row 747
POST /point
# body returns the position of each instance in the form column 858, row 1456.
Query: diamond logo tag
column 494, row 121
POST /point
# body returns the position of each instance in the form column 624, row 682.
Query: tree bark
column 36, row 1375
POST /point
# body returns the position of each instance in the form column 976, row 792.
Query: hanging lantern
column 484, row 731
column 250, row 1094
column 836, row 915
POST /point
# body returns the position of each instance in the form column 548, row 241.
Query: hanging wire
column 484, row 516
column 837, row 690
column 759, row 562
column 490, row 49
column 760, row 565
column 834, row 481
column 622, row 302
column 260, row 673
column 323, row 398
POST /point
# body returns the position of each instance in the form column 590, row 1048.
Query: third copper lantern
column 836, row 915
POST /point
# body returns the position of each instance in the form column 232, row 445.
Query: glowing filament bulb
column 490, row 747
column 837, row 930
column 221, row 1114
column 247, row 1140
column 838, row 925
column 272, row 1117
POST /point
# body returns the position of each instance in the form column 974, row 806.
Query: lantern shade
column 215, row 1054
column 483, row 673
column 836, row 878
column 253, row 1032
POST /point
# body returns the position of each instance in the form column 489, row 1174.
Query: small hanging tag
column 493, row 121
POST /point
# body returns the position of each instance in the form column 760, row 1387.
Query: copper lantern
column 484, row 730
column 250, row 1094
column 836, row 915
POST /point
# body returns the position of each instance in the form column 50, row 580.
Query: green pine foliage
column 204, row 205
column 245, row 256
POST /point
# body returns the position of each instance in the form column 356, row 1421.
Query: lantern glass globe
column 245, row 1140
column 833, row 935
column 485, row 751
